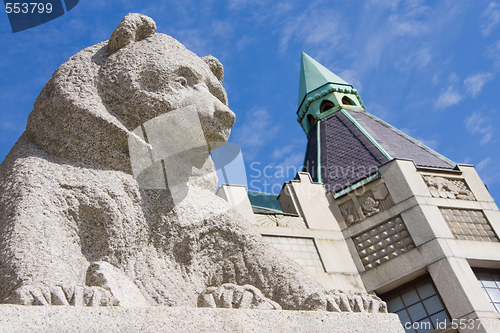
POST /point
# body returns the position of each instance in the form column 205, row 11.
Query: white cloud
column 316, row 34
column 279, row 153
column 223, row 29
column 292, row 164
column 476, row 123
column 448, row 98
column 418, row 58
column 408, row 27
column 375, row 46
column 481, row 165
column 11, row 126
column 194, row 40
column 392, row 4
column 352, row 77
column 422, row 57
column 493, row 53
column 380, row 110
column 405, row 37
column 491, row 18
column 257, row 130
column 453, row 78
column 245, row 41
column 406, row 131
column 473, row 84
column 242, row 4
column 284, row 171
column 435, row 79
column 288, row 161
column 433, row 144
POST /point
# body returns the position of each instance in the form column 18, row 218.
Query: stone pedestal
column 14, row 318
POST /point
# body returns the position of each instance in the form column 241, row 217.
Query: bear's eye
column 182, row 80
column 188, row 76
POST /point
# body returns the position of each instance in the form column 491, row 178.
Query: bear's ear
column 215, row 66
column 132, row 28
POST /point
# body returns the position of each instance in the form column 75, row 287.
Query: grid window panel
column 467, row 224
column 490, row 282
column 433, row 304
column 383, row 243
column 395, row 304
column 418, row 306
column 426, row 290
column 302, row 250
column 417, row 312
column 410, row 297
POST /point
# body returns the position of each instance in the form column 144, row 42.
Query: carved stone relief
column 280, row 220
column 441, row 187
column 370, row 207
column 368, row 204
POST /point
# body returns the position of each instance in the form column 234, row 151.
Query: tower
column 346, row 144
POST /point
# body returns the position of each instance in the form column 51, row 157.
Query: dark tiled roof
column 347, row 156
column 397, row 144
column 311, row 155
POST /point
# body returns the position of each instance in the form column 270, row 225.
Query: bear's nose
column 224, row 115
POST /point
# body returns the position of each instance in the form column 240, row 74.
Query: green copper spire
column 318, row 86
column 313, row 75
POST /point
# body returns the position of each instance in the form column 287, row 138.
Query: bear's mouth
column 212, row 145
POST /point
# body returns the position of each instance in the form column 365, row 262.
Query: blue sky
column 429, row 68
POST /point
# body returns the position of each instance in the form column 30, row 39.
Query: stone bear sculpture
column 83, row 222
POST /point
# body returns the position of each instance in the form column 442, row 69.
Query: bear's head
column 97, row 98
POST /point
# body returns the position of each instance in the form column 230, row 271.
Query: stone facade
column 446, row 239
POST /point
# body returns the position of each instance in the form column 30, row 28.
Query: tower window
column 310, row 119
column 347, row 101
column 326, row 105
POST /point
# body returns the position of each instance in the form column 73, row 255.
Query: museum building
column 377, row 211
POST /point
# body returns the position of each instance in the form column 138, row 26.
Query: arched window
column 310, row 119
column 347, row 101
column 326, row 105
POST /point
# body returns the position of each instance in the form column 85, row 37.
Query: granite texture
column 346, row 154
column 78, row 224
column 15, row 319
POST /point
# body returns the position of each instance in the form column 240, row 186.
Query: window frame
column 490, row 271
column 350, row 101
column 413, row 285
column 324, row 103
